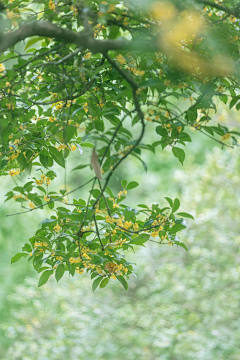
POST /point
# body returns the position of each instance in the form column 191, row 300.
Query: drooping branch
column 219, row 7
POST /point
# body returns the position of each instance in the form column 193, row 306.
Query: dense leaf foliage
column 183, row 304
column 84, row 69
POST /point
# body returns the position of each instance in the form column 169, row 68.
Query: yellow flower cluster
column 111, row 8
column 87, row 56
column 14, row 172
column 74, row 10
column 233, row 39
column 126, row 149
column 167, row 83
column 51, row 5
column 135, row 71
column 97, row 211
column 86, row 261
column 17, row 196
column 52, row 119
column 40, row 244
column 135, row 227
column 46, row 198
column 160, row 220
column 10, row 106
column 197, row 126
column 225, row 136
column 155, row 232
column 138, row 91
column 44, row 180
column 161, row 73
column 101, row 103
column 154, row 117
column 32, row 205
column 220, row 88
column 119, row 242
column 89, row 227
column 57, row 228
column 85, row 107
column 59, row 258
column 232, row 18
column 2, row 68
column 54, row 95
column 92, row 118
column 115, row 205
column 61, row 147
column 80, row 271
column 59, row 105
column 182, row 85
column 120, row 59
column 127, row 224
column 121, row 193
column 38, row 182
column 98, row 28
column 113, row 269
column 73, row 260
column 13, row 156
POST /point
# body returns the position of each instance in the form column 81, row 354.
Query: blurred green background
column 182, row 305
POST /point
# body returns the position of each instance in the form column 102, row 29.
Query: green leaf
column 140, row 239
column 143, row 162
column 122, row 281
column 143, row 206
column 33, row 41
column 18, row 257
column 22, row 160
column 27, row 248
column 124, row 183
column 191, row 115
column 161, row 131
column 44, row 277
column 128, row 214
column 96, row 283
column 93, row 275
column 179, row 153
column 169, row 201
column 114, row 32
column 182, row 245
column 79, row 167
column 184, row 137
column 185, row 215
column 132, row 185
column 233, row 102
column 57, row 156
column 177, row 227
column 87, row 145
column 59, row 272
column 104, row 283
column 176, row 205
column 43, row 157
column 69, row 132
column 217, row 130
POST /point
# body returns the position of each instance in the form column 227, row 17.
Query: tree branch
column 82, row 39
column 217, row 6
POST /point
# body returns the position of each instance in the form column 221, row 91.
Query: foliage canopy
column 83, row 70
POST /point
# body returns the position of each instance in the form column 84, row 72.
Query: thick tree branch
column 82, row 39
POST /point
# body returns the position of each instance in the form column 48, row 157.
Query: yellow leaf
column 95, row 164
